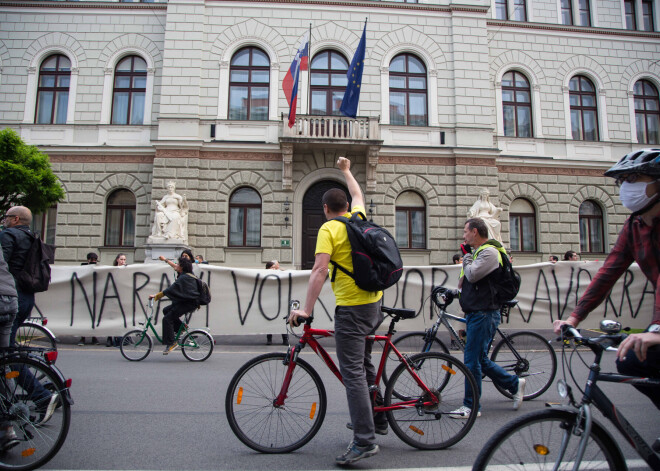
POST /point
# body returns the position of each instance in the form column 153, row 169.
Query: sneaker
column 95, row 341
column 45, row 408
column 169, row 348
column 381, row 429
column 81, row 342
column 9, row 440
column 354, row 453
column 518, row 396
column 462, row 412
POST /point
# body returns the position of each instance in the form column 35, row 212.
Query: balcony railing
column 332, row 127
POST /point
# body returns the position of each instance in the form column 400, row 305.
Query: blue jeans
column 481, row 327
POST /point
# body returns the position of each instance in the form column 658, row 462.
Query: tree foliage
column 26, row 178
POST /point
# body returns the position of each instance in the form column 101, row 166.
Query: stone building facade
column 421, row 169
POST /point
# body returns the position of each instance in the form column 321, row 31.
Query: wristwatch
column 655, row 328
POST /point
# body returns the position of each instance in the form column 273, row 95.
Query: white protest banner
column 101, row 300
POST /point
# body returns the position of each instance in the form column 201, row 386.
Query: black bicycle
column 33, row 426
column 567, row 437
column 525, row 354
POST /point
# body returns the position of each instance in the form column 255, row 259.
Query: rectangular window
column 585, row 13
column 629, row 6
column 520, row 10
column 647, row 15
column 501, row 10
column 566, row 12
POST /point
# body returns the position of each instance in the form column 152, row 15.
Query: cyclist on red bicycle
column 638, row 175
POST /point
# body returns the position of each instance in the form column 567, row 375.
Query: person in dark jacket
column 482, row 313
column 16, row 242
column 184, row 295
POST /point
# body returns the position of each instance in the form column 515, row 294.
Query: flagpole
column 309, row 72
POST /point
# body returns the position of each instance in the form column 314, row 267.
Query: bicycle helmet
column 645, row 161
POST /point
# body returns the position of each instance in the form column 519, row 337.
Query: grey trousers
column 352, row 325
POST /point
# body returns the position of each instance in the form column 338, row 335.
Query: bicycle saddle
column 511, row 303
column 402, row 313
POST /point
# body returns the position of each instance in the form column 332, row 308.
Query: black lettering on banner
column 434, row 284
column 561, row 307
column 208, row 282
column 279, row 296
column 242, row 317
column 136, row 294
column 419, row 273
column 539, row 298
column 577, row 284
column 644, row 293
column 108, row 280
column 609, row 302
column 90, row 308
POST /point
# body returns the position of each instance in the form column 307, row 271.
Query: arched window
column 517, row 105
column 128, row 94
column 410, row 221
column 584, row 113
column 245, row 218
column 249, row 79
column 647, row 112
column 328, row 83
column 408, row 97
column 522, row 223
column 591, row 228
column 53, row 91
column 120, row 219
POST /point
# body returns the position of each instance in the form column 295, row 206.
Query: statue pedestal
column 170, row 250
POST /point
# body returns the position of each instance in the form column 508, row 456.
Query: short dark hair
column 269, row 265
column 569, row 254
column 554, row 257
column 479, row 225
column 456, row 257
column 185, row 264
column 188, row 252
column 335, row 199
column 92, row 255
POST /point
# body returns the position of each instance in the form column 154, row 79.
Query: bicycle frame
column 594, row 395
column 149, row 325
column 308, row 338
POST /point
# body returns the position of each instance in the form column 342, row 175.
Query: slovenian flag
column 290, row 83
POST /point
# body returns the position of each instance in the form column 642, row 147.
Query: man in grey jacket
column 482, row 313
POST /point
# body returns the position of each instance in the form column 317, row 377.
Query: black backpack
column 204, row 292
column 377, row 263
column 35, row 276
column 505, row 281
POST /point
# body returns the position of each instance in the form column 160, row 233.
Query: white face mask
column 633, row 195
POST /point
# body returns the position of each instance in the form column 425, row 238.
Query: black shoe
column 381, row 429
column 269, row 339
column 108, row 342
column 95, row 341
column 81, row 342
column 354, row 453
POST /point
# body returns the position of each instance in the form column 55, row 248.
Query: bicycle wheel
column 430, row 427
column 136, row 345
column 30, row 334
column 197, row 345
column 537, row 363
column 534, row 441
column 409, row 344
column 261, row 425
column 38, row 438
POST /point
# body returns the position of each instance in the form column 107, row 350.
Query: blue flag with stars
column 351, row 99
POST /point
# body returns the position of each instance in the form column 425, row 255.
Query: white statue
column 171, row 219
column 487, row 211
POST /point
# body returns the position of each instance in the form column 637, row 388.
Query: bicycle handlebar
column 602, row 342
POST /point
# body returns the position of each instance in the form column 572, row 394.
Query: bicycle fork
column 581, row 428
column 290, row 362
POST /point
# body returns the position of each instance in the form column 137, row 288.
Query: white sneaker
column 518, row 396
column 462, row 412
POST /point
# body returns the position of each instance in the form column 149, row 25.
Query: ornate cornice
column 444, row 161
column 572, row 29
column 569, row 171
column 367, row 3
column 101, row 158
column 251, row 156
column 87, row 5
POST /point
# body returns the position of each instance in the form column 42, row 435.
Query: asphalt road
column 166, row 413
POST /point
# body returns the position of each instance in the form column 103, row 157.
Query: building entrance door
column 313, row 218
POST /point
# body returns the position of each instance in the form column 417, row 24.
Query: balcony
column 339, row 129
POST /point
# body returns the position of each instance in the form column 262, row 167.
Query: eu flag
column 351, row 99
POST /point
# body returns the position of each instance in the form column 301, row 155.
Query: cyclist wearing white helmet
column 638, row 176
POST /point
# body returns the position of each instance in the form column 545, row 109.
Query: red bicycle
column 276, row 402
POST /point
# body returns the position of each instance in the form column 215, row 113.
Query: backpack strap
column 337, row 266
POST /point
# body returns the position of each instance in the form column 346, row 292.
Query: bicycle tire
column 410, row 344
column 37, row 443
column 197, row 345
column 30, row 334
column 136, row 345
column 521, row 443
column 257, row 422
column 538, row 365
column 434, row 429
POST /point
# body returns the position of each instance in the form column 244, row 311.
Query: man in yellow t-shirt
column 357, row 315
